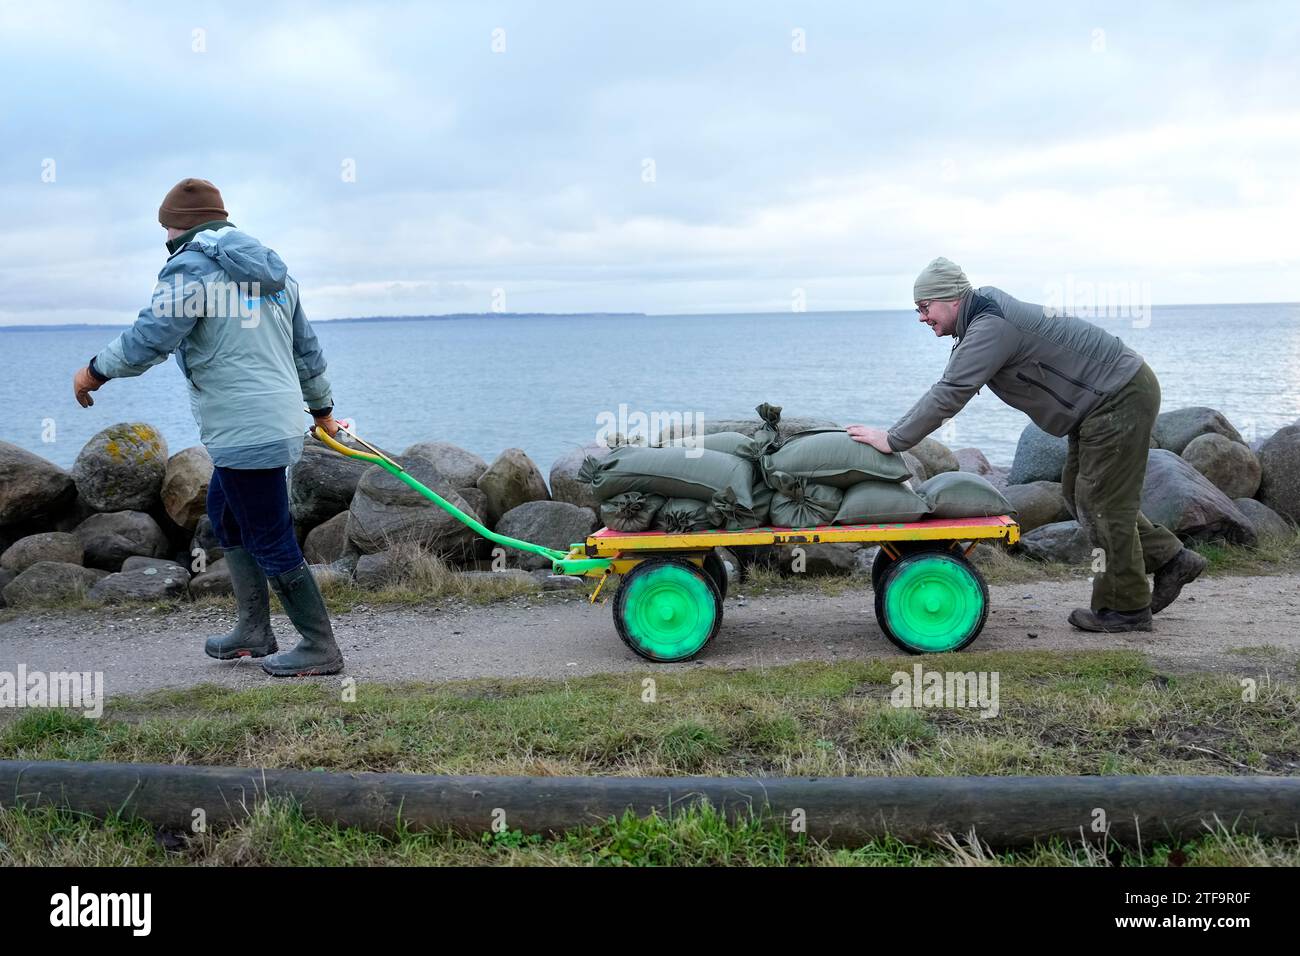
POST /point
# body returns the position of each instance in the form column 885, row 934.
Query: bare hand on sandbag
column 877, row 438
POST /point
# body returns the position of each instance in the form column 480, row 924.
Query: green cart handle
column 560, row 561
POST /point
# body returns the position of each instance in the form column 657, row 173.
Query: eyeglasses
column 924, row 307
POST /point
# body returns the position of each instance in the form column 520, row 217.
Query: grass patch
column 1059, row 713
column 277, row 834
column 1272, row 555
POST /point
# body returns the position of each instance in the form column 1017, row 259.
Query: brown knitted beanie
column 191, row 202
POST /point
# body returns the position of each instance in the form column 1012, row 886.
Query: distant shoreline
column 83, row 326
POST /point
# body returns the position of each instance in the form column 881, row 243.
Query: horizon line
column 57, row 326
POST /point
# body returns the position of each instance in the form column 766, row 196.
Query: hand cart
column 929, row 597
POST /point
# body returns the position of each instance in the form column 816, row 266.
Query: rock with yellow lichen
column 122, row 468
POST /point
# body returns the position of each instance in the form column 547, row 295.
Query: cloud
column 1002, row 137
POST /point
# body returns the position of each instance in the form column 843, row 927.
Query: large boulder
column 122, row 467
column 30, row 486
column 1179, row 497
column 1039, row 457
column 327, row 542
column 147, row 583
column 1230, row 465
column 185, row 486
column 376, row 570
column 49, row 582
column 138, row 561
column 820, row 560
column 1174, row 430
column 916, row 467
column 998, row 477
column 205, row 542
column 330, row 575
column 1279, row 465
column 1037, row 503
column 1062, row 541
column 552, row 524
column 109, row 539
column 215, row 580
column 510, row 481
column 5, row 578
column 57, row 546
column 1266, row 522
column 461, row 468
column 74, row 511
column 565, row 483
column 322, row 484
column 935, row 456
column 475, row 499
column 972, row 460
column 386, row 511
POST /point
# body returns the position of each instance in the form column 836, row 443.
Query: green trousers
column 1102, row 485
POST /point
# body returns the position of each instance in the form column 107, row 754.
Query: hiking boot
column 1182, row 568
column 1108, row 621
column 317, row 652
column 252, row 635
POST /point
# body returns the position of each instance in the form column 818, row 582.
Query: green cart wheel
column 932, row 602
column 667, row 610
column 882, row 560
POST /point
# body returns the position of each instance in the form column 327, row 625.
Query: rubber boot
column 252, row 635
column 317, row 652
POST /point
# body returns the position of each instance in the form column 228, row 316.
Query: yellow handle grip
column 341, row 448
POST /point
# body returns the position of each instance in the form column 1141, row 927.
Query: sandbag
column 631, row 511
column 680, row 515
column 671, row 472
column 727, row 510
column 733, row 443
column 963, row 494
column 881, row 502
column 800, row 503
column 831, row 457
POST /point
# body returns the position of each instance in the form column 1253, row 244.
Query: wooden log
column 844, row 811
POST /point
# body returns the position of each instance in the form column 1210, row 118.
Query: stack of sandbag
column 736, row 482
column 824, row 477
column 679, row 487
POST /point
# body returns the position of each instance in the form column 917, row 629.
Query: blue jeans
column 249, row 508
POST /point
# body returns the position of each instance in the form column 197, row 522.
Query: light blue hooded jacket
column 226, row 305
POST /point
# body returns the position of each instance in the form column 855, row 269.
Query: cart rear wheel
column 882, row 561
column 931, row 603
column 667, row 610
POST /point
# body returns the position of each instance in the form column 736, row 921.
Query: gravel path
column 559, row 635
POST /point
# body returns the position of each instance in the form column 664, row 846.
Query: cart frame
column 928, row 596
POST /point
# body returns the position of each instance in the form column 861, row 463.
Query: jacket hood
column 243, row 258
column 963, row 314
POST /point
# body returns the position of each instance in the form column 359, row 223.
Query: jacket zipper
column 1069, row 378
column 1048, row 389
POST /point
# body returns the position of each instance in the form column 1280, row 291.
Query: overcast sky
column 654, row 157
